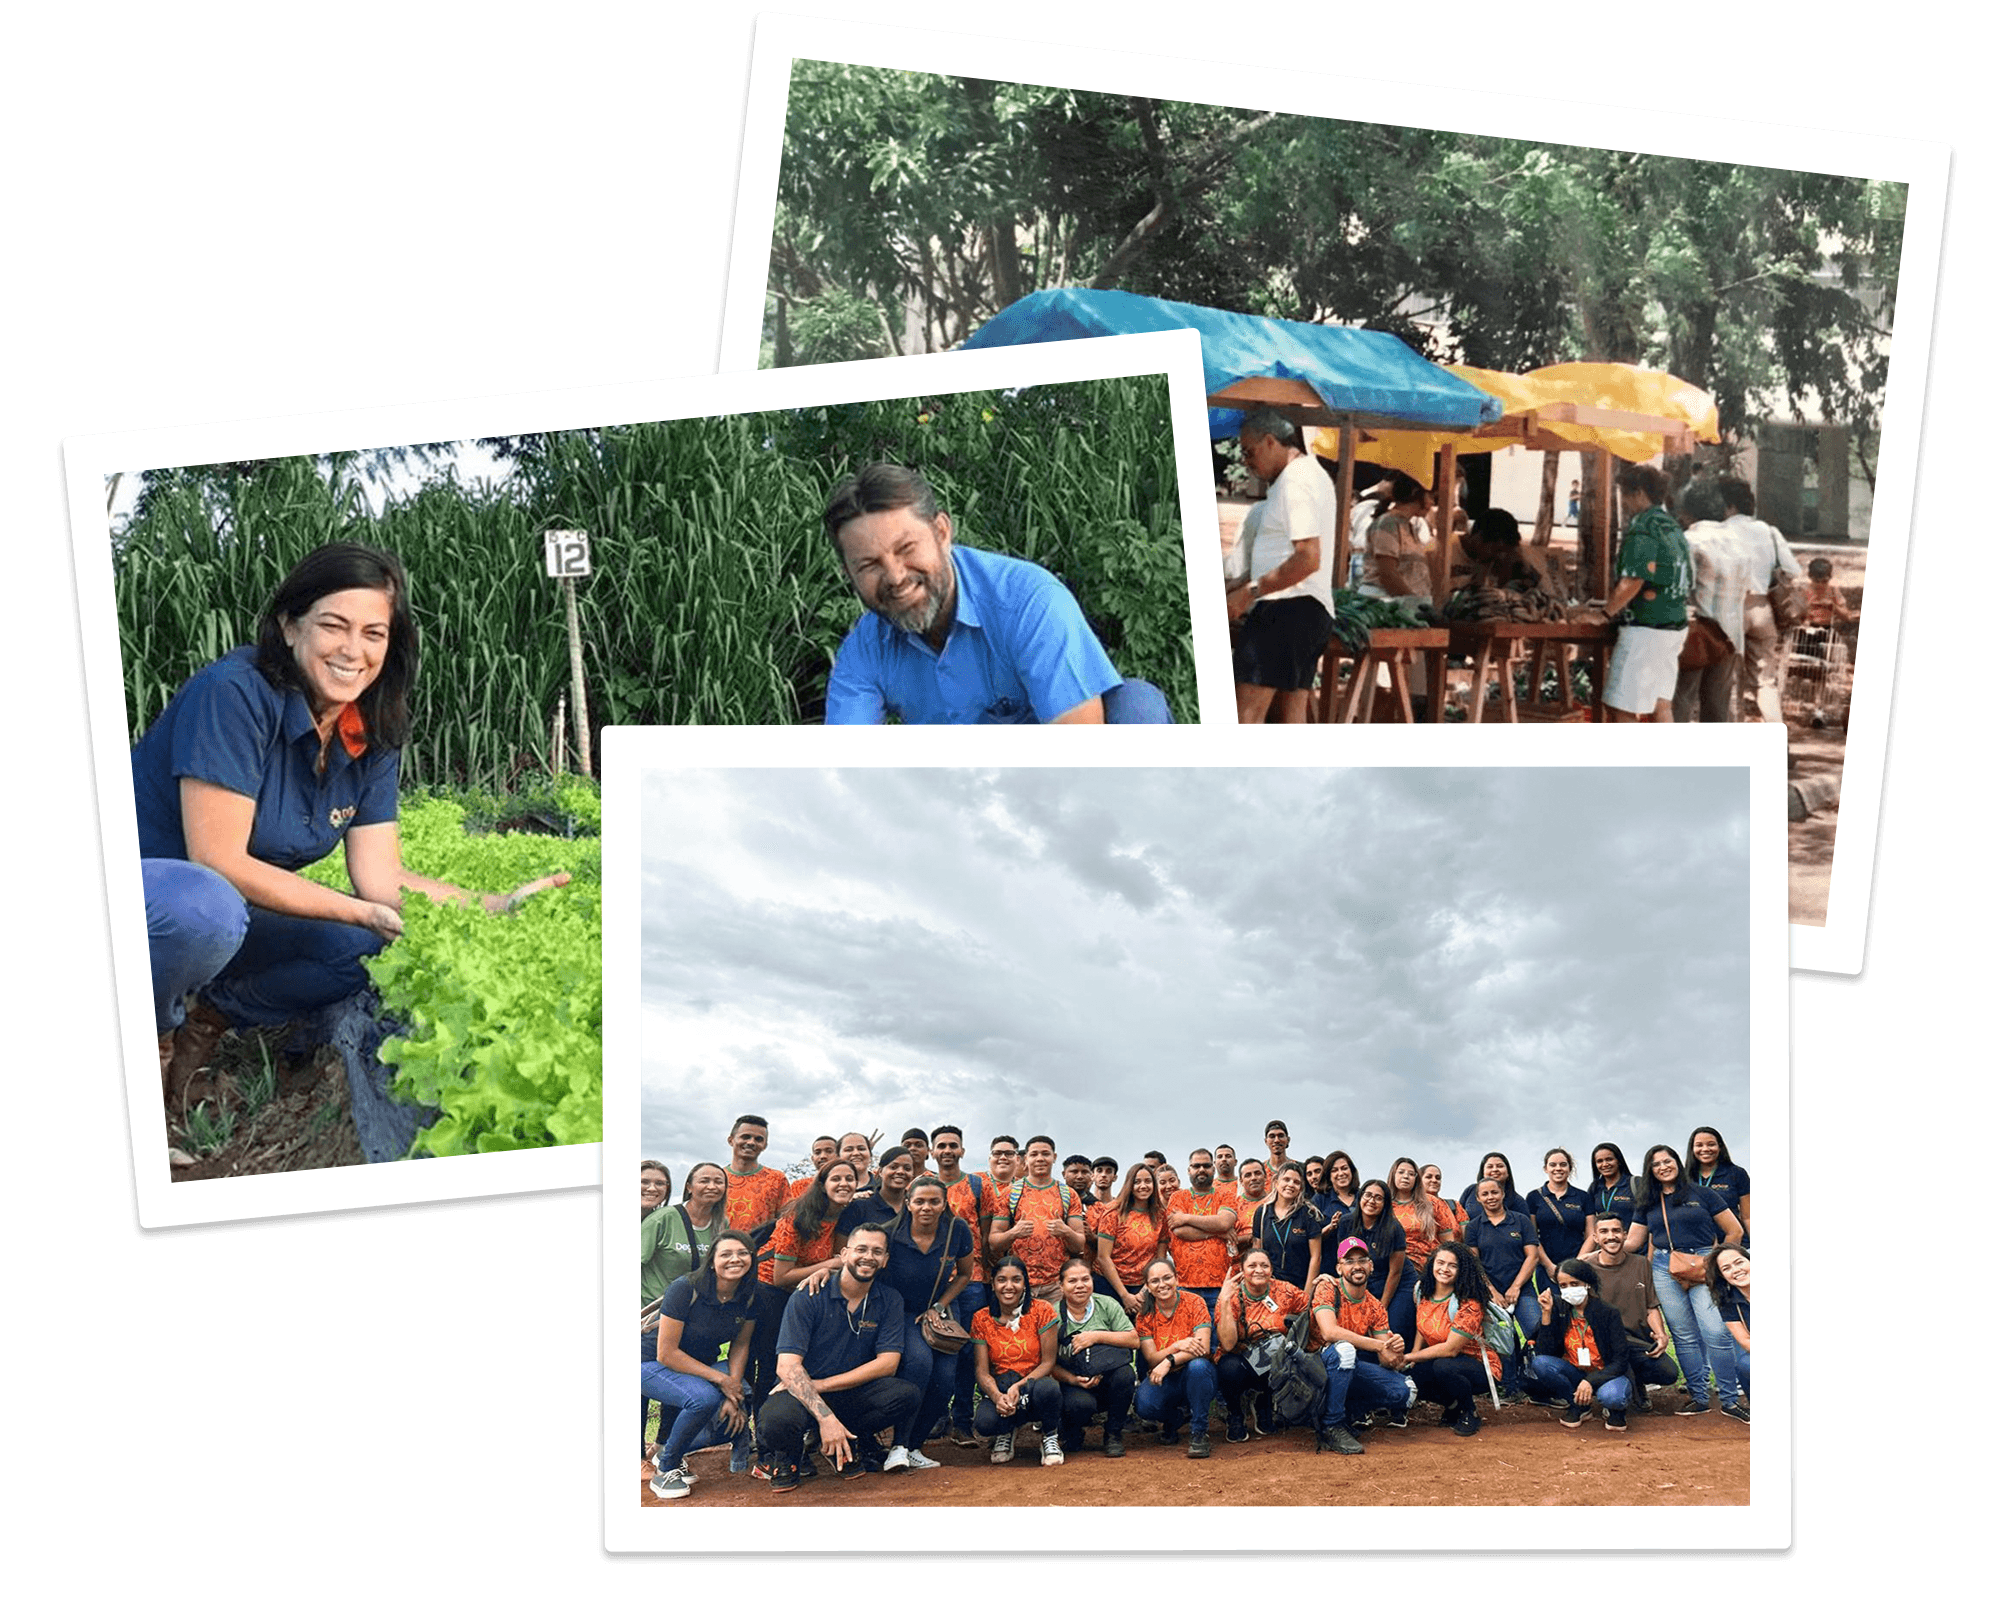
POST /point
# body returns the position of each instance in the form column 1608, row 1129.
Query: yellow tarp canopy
column 1578, row 405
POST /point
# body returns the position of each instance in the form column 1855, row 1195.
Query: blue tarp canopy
column 1359, row 373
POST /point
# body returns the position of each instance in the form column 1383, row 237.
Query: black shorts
column 1282, row 641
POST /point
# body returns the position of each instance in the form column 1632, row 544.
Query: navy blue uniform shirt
column 835, row 1338
column 1502, row 1245
column 228, row 726
column 706, row 1324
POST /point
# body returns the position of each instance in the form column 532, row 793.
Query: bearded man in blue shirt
column 958, row 635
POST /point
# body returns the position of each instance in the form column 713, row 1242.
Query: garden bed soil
column 1523, row 1456
column 307, row 1123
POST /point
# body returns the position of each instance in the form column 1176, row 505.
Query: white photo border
column 89, row 460
column 1837, row 946
column 632, row 754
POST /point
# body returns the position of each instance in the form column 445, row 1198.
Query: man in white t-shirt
column 1767, row 549
column 1281, row 586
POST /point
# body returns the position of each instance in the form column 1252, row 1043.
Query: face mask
column 1576, row 1294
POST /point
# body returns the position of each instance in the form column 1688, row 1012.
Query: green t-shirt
column 1655, row 551
column 664, row 1250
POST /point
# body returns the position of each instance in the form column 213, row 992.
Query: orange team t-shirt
column 1435, row 1323
column 1042, row 1252
column 1262, row 1318
column 1365, row 1316
column 959, row 1201
column 1578, row 1345
column 1135, row 1243
column 1170, row 1327
column 799, row 1187
column 1246, row 1210
column 1201, row 1263
column 754, row 1200
column 785, row 1241
column 1416, row 1247
column 1017, row 1349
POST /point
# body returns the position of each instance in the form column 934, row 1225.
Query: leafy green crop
column 505, row 1013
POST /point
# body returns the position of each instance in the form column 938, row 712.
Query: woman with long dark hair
column 1451, row 1336
column 264, row 762
column 1013, row 1353
column 883, row 1203
column 1375, row 1225
column 1681, row 1222
column 802, row 1238
column 680, row 1362
column 1132, row 1235
column 1289, row 1227
column 1708, row 1164
column 1729, row 1287
column 1581, row 1355
column 1493, row 1165
column 1343, row 1182
column 1611, row 1182
column 930, row 1260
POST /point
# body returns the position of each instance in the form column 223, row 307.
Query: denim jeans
column 972, row 1298
column 1701, row 1343
column 1111, row 1394
column 688, row 1407
column 1355, row 1387
column 1192, row 1386
column 256, row 967
column 1041, row 1403
column 934, row 1375
column 1135, row 700
column 1553, row 1376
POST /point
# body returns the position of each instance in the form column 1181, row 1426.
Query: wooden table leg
column 1329, row 677
column 1399, row 681
column 1362, row 682
column 1434, row 712
column 1508, row 700
column 1482, row 663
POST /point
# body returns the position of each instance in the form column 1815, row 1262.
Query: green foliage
column 715, row 597
column 206, row 1130
column 505, row 1013
column 955, row 197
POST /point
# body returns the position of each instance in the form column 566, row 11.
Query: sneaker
column 1114, row 1445
column 673, row 1484
column 1466, row 1423
column 762, row 1470
column 1340, row 1441
column 1003, row 1448
column 1239, row 1430
column 854, row 1467
column 963, row 1438
column 922, row 1462
column 1688, row 1407
column 1261, row 1417
column 1614, row 1421
column 1398, row 1419
column 1547, row 1402
column 1199, row 1449
column 897, row 1460
column 1642, row 1402
column 1360, row 1424
column 1572, row 1416
column 1739, row 1408
column 1052, row 1454
column 784, row 1477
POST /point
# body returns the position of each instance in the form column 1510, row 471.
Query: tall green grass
column 715, row 597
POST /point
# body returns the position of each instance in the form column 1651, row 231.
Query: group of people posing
column 897, row 1292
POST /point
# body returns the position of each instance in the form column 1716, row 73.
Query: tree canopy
column 912, row 207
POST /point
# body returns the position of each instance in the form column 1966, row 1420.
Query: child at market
column 1816, row 640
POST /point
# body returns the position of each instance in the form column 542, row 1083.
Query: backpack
column 1298, row 1378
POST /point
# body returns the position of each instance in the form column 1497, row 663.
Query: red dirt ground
column 1522, row 1457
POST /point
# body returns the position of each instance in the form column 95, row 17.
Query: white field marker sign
column 566, row 557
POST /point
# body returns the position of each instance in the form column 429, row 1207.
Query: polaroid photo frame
column 948, row 849
column 94, row 462
column 1837, row 944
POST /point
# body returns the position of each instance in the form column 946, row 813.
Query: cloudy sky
column 1397, row 961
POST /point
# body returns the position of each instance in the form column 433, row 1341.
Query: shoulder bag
column 943, row 1332
column 1683, row 1266
column 1093, row 1360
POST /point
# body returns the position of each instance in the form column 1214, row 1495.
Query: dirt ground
column 304, row 1123
column 1522, row 1456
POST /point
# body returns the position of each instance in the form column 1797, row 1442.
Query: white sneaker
column 1052, row 1455
column 1003, row 1448
column 897, row 1459
column 672, row 1485
column 919, row 1460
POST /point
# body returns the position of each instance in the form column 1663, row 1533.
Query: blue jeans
column 256, row 967
column 1701, row 1343
column 1136, row 700
column 1192, row 1386
column 972, row 1298
column 1553, row 1376
column 1402, row 1308
column 688, row 1407
column 1354, row 1387
column 934, row 1375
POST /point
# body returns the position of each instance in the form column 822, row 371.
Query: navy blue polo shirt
column 1728, row 1180
column 1683, row 1220
column 1561, row 1222
column 1502, row 1245
column 870, row 1207
column 1734, row 1305
column 228, row 726
column 1615, row 1198
column 834, row 1338
column 1289, row 1239
column 707, row 1324
column 914, row 1273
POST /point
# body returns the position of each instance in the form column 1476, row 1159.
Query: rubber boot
column 188, row 1076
